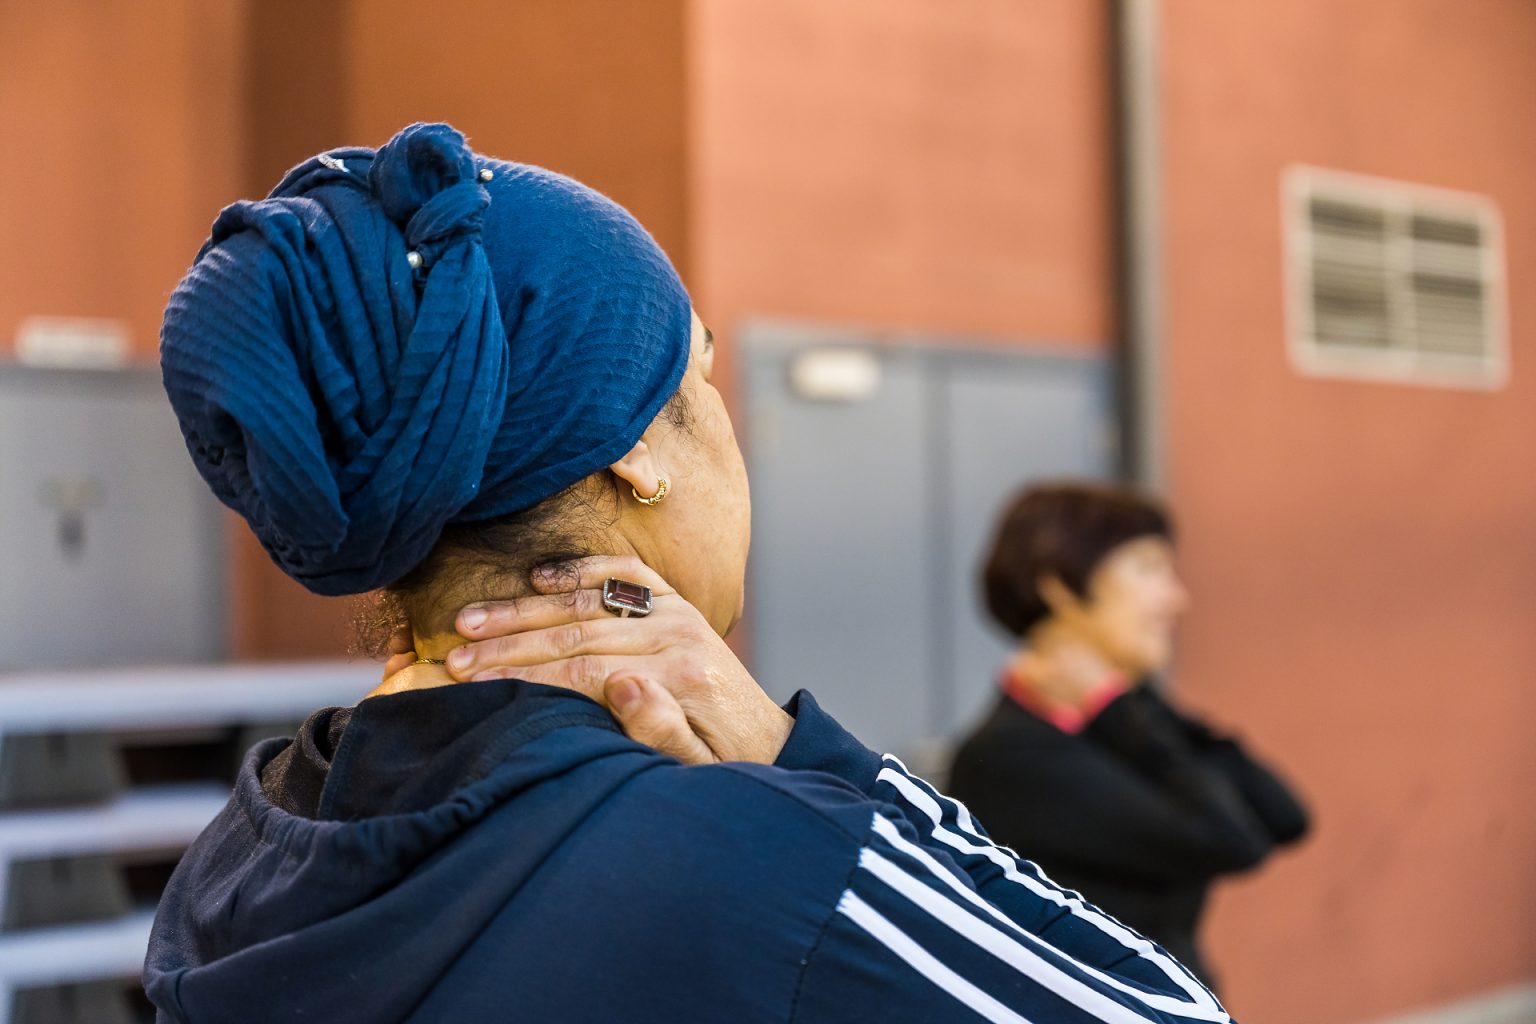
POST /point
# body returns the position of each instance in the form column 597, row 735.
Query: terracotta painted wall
column 1363, row 556
column 589, row 88
column 120, row 144
column 902, row 164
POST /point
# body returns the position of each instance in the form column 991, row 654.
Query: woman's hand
column 668, row 678
column 1069, row 676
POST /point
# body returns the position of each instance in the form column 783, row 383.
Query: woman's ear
column 1058, row 597
column 638, row 469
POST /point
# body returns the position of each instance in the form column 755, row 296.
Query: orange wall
column 902, row 163
column 120, row 145
column 1363, row 555
column 590, row 88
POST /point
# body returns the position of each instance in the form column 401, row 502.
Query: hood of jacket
column 352, row 858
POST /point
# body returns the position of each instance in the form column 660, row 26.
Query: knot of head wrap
column 350, row 401
column 426, row 181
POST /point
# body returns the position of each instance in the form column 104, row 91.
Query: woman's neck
column 435, row 647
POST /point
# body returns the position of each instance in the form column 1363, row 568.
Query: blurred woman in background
column 1082, row 763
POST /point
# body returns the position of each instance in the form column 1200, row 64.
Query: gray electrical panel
column 110, row 544
column 878, row 470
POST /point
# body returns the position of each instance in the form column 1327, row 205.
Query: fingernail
column 473, row 618
column 623, row 694
column 459, row 658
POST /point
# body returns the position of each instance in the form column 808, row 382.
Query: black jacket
column 1139, row 812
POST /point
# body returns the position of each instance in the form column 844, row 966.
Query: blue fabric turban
column 399, row 340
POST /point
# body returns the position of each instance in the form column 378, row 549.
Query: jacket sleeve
column 1129, row 796
column 1269, row 798
column 937, row 921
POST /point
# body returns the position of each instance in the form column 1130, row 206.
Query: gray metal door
column 110, row 543
column 874, row 494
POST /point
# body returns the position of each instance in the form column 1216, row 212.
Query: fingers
column 589, row 574
column 563, row 597
column 586, row 675
column 495, row 618
column 605, row 636
column 652, row 716
column 646, row 711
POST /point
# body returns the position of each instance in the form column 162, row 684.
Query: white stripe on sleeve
column 912, row 793
column 925, row 963
column 1006, row 948
column 1000, row 945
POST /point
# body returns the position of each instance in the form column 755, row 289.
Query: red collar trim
column 1069, row 720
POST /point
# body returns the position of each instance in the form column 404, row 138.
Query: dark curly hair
column 1063, row 530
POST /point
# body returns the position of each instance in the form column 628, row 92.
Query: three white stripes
column 915, row 796
column 1010, row 947
column 993, row 939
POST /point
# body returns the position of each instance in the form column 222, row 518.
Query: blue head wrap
column 399, row 340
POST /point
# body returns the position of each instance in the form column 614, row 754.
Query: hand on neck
column 1057, row 639
column 1062, row 667
column 433, row 628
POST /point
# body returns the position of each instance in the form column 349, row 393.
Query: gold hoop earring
column 662, row 486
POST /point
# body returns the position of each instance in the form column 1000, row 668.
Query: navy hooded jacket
column 500, row 851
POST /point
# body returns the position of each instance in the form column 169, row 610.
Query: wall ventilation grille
column 1394, row 281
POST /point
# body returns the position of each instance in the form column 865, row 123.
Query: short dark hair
column 1063, row 530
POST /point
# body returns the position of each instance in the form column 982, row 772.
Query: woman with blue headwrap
column 470, row 382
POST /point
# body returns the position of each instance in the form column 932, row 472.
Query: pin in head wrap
column 393, row 341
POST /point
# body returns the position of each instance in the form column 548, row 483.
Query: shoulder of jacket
column 746, row 794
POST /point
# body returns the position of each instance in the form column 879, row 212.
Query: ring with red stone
column 624, row 598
